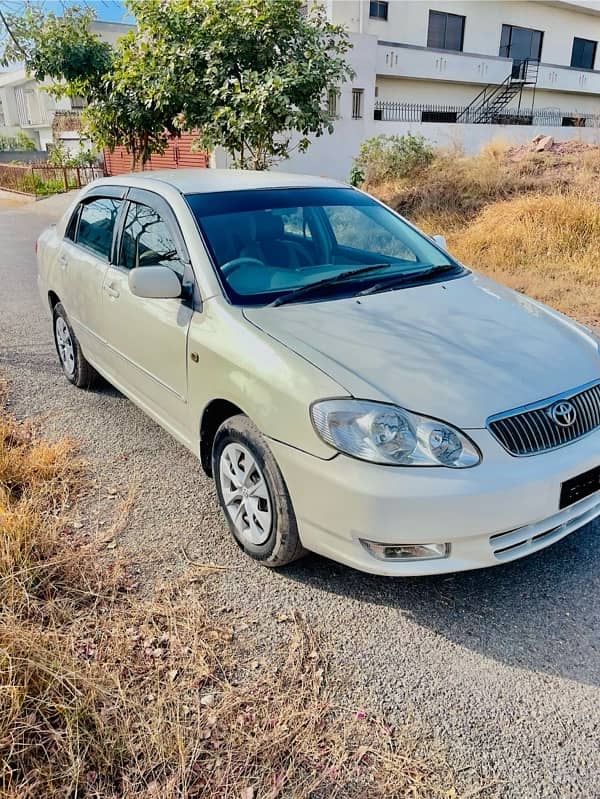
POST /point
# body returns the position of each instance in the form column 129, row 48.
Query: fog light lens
column 406, row 551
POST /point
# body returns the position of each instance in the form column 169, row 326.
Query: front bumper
column 493, row 513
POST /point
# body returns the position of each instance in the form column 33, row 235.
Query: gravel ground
column 501, row 666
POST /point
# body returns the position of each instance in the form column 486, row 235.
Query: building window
column 77, row 103
column 378, row 9
column 332, row 103
column 446, row 31
column 583, row 54
column 357, row 103
column 520, row 44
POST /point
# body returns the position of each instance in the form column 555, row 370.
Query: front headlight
column 386, row 434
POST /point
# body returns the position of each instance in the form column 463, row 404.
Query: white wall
column 332, row 156
column 408, row 21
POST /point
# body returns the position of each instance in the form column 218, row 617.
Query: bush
column 21, row 141
column 383, row 158
column 61, row 156
column 24, row 142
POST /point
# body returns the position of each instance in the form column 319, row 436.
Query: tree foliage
column 249, row 75
column 246, row 73
column 57, row 47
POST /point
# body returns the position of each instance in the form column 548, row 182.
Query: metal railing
column 40, row 181
column 391, row 111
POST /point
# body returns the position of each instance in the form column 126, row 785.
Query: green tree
column 58, row 47
column 63, row 49
column 250, row 75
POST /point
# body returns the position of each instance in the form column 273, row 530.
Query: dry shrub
column 457, row 185
column 530, row 220
column 104, row 694
column 546, row 246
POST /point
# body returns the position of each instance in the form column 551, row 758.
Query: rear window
column 96, row 225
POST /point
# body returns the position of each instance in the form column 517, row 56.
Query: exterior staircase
column 494, row 98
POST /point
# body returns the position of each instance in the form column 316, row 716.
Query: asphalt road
column 501, row 666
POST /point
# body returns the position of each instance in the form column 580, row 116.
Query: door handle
column 112, row 292
column 63, row 260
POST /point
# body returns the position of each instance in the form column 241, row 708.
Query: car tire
column 75, row 367
column 261, row 519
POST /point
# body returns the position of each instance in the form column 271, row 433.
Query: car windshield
column 276, row 245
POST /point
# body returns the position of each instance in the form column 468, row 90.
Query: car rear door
column 147, row 338
column 83, row 260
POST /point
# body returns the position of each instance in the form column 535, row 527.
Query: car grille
column 531, row 430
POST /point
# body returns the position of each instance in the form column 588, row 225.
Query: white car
column 352, row 388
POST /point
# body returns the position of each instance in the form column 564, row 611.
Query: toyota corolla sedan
column 352, row 388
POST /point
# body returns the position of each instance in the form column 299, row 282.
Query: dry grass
column 107, row 694
column 545, row 246
column 530, row 220
column 457, row 186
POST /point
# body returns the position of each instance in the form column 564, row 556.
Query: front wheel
column 77, row 370
column 253, row 495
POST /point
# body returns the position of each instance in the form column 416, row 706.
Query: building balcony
column 424, row 63
column 568, row 79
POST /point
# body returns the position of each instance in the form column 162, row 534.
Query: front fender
column 271, row 384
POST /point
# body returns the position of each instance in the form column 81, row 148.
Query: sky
column 109, row 10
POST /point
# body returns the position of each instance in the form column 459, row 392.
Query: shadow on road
column 541, row 613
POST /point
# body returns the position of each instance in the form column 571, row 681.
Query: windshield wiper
column 398, row 280
column 326, row 281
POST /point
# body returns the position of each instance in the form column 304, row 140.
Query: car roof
column 198, row 180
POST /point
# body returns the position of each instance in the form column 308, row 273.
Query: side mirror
column 440, row 241
column 154, row 282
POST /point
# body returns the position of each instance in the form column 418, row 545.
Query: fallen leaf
column 208, row 700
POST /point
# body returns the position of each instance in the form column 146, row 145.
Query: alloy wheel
column 245, row 494
column 66, row 350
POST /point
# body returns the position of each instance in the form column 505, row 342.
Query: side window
column 96, row 225
column 147, row 241
column 361, row 229
column 294, row 222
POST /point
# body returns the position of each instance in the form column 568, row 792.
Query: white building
column 25, row 104
column 423, row 65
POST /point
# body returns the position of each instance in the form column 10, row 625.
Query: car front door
column 83, row 260
column 147, row 338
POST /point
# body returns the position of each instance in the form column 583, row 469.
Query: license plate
column 580, row 487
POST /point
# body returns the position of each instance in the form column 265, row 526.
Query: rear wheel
column 253, row 495
column 77, row 370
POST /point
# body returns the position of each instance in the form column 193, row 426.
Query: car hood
column 460, row 350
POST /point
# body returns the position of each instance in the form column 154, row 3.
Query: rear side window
column 96, row 224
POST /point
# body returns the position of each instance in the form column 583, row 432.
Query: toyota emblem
column 563, row 413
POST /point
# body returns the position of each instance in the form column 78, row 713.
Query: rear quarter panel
column 48, row 246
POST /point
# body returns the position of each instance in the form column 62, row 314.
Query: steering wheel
column 232, row 266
